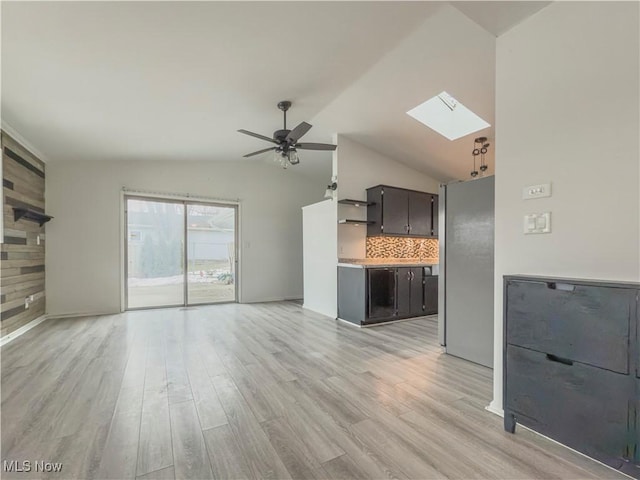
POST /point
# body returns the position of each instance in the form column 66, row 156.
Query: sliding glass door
column 155, row 253
column 179, row 253
column 211, row 253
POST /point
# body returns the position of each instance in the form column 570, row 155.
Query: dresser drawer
column 578, row 405
column 588, row 324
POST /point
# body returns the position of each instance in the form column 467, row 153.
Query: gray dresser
column 572, row 364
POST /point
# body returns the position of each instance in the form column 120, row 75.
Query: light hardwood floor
column 257, row 391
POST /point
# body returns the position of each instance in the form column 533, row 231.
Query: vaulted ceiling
column 144, row 81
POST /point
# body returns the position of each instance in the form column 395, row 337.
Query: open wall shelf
column 355, row 203
column 32, row 215
column 346, row 221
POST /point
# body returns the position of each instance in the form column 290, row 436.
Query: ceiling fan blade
column 258, row 152
column 316, row 146
column 257, row 135
column 297, row 133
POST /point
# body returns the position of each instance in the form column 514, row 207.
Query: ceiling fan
column 286, row 141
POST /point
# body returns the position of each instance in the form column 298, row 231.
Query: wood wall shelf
column 28, row 214
column 347, row 221
column 355, row 203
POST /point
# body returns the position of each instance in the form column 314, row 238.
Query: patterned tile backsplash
column 402, row 247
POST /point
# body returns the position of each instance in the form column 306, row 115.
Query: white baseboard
column 81, row 314
column 272, row 299
column 493, row 409
column 347, row 322
column 23, row 329
column 326, row 314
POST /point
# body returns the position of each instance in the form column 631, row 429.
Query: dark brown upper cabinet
column 401, row 212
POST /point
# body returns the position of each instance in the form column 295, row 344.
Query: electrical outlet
column 37, row 239
column 536, row 191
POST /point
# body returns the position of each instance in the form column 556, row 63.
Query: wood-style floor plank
column 189, row 450
column 225, row 453
column 258, row 391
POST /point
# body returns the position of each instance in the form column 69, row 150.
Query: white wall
column 567, row 112
column 359, row 168
column 320, row 237
column 83, row 241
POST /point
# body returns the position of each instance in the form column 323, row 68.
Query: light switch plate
column 537, row 223
column 536, row 191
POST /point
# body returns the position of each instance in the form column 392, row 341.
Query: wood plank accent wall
column 21, row 258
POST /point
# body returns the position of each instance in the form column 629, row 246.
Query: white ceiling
column 498, row 17
column 97, row 81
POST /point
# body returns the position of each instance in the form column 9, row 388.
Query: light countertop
column 387, row 262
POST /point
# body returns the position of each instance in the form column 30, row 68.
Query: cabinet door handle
column 555, row 358
column 566, row 287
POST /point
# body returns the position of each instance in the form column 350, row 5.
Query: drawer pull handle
column 555, row 358
column 565, row 287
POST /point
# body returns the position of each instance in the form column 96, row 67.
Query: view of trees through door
column 179, row 253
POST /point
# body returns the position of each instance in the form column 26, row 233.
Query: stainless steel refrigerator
column 465, row 315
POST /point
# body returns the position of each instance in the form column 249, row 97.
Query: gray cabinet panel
column 579, row 405
column 351, row 294
column 585, row 323
column 420, row 214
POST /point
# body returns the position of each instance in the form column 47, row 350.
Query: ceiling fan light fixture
column 293, row 157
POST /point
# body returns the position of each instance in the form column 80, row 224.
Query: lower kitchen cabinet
column 409, row 292
column 381, row 294
column 430, row 294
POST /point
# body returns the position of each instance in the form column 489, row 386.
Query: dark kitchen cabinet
column 381, row 292
column 430, row 295
column 571, row 364
column 435, row 214
column 409, row 292
column 394, row 212
column 400, row 212
column 420, row 214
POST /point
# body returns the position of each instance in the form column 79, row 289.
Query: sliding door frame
column 185, row 201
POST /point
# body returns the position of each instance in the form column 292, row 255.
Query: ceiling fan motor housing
column 280, row 135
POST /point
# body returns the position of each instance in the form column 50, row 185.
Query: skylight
column 448, row 117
